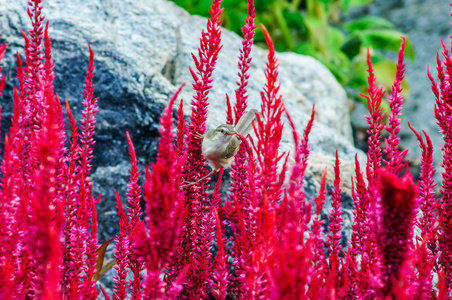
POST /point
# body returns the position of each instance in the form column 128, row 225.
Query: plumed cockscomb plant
column 262, row 242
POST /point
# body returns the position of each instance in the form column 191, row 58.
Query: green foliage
column 101, row 269
column 316, row 28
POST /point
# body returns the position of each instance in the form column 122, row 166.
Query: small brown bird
column 220, row 145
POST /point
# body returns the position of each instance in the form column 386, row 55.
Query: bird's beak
column 232, row 133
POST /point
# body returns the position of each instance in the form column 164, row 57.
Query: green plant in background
column 317, row 28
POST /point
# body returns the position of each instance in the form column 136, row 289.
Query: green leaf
column 294, row 19
column 355, row 3
column 231, row 4
column 100, row 258
column 201, row 8
column 346, row 4
column 307, row 49
column 262, row 5
column 368, row 22
column 335, row 40
column 351, row 48
column 110, row 264
column 235, row 20
column 385, row 39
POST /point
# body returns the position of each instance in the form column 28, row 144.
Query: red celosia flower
column 428, row 203
column 134, row 214
column 443, row 115
column 239, row 168
column 121, row 254
column 181, row 132
column 374, row 122
column 335, row 226
column 294, row 269
column 44, row 232
column 395, row 210
column 88, row 121
column 2, row 77
column 317, row 287
column 424, row 264
column 394, row 158
column 163, row 208
column 221, row 273
column 268, row 129
column 360, row 227
column 194, row 231
column 244, row 63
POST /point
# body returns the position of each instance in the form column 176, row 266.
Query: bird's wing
column 245, row 124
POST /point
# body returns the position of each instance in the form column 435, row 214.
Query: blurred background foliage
column 322, row 29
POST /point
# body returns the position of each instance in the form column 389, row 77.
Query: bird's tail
column 245, row 124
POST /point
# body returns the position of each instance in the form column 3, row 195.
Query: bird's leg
column 189, row 184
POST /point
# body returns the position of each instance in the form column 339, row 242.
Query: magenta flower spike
column 395, row 211
column 72, row 200
column 374, row 122
column 194, row 231
column 244, row 63
column 43, row 232
column 229, row 119
column 293, row 255
column 2, row 76
column 294, row 189
column 134, row 190
column 443, row 115
column 361, row 201
column 182, row 132
column 220, row 273
column 317, row 287
column 90, row 289
column 394, row 158
column 88, row 121
column 422, row 286
column 134, row 215
column 163, row 211
column 239, row 175
column 335, row 226
column 121, row 254
column 48, row 74
column 268, row 129
column 239, row 168
column 12, row 216
column 428, row 203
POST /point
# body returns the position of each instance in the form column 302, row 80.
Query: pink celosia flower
column 374, row 122
column 2, row 76
column 194, row 233
column 294, row 269
column 163, row 209
column 121, row 254
column 239, row 168
column 335, row 226
column 394, row 158
column 268, row 129
column 134, row 214
column 428, row 203
column 395, row 211
column 443, row 115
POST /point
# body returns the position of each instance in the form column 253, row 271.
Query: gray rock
column 142, row 52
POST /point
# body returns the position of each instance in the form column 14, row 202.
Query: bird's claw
column 187, row 184
column 197, row 136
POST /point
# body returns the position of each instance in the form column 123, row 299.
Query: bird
column 220, row 145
